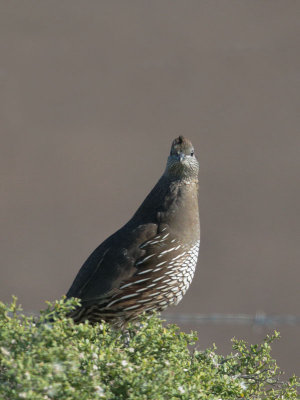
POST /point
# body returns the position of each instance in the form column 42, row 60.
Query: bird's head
column 182, row 162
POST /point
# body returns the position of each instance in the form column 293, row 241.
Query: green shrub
column 59, row 360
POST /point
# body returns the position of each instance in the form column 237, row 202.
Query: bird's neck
column 180, row 208
column 172, row 202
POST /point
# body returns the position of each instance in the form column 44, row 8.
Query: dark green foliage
column 59, row 360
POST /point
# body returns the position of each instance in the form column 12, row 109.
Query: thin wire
column 259, row 319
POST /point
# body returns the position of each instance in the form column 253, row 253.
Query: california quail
column 150, row 262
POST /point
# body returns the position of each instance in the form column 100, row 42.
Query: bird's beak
column 181, row 156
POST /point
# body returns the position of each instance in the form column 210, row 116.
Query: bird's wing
column 111, row 263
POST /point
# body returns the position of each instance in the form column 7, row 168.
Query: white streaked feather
column 144, row 259
column 144, row 272
column 166, row 251
column 132, row 307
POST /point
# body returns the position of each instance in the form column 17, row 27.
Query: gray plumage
column 149, row 263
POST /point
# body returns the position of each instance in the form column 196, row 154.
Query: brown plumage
column 149, row 263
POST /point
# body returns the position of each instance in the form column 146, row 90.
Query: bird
column 149, row 263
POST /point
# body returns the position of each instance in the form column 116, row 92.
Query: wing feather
column 111, row 263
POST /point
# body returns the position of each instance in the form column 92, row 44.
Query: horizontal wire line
column 259, row 319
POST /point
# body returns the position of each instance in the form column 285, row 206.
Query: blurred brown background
column 91, row 95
